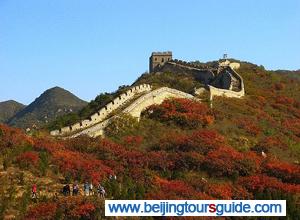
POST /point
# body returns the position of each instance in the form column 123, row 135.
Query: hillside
column 244, row 148
column 94, row 105
column 8, row 109
column 52, row 103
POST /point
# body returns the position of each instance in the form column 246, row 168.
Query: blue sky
column 93, row 46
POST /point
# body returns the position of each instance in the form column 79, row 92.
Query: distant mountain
column 8, row 109
column 52, row 103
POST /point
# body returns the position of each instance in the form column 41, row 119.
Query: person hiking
column 101, row 191
column 86, row 188
column 91, row 189
column 34, row 191
column 75, row 189
column 66, row 190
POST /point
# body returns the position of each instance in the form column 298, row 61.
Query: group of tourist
column 88, row 190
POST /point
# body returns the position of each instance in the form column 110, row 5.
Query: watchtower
column 158, row 59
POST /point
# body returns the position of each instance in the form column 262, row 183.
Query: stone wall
column 204, row 75
column 155, row 97
column 135, row 109
column 103, row 112
column 222, row 80
column 224, row 92
column 238, row 93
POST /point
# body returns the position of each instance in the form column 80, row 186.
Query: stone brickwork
column 202, row 74
column 103, row 112
column 158, row 59
column 135, row 109
column 221, row 81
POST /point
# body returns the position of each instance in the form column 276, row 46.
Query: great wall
column 223, row 81
column 103, row 112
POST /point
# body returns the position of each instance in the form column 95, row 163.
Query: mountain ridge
column 9, row 108
column 50, row 104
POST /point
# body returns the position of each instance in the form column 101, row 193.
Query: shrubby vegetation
column 180, row 149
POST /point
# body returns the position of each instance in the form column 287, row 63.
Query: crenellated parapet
column 103, row 112
column 189, row 65
column 154, row 97
column 135, row 109
column 221, row 81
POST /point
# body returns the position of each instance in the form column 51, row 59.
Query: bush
column 28, row 159
column 183, row 112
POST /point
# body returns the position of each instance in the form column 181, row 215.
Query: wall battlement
column 189, row 65
column 211, row 77
column 135, row 109
column 103, row 112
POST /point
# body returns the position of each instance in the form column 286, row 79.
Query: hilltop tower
column 158, row 59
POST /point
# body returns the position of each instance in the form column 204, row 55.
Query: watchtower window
column 162, row 59
column 155, row 59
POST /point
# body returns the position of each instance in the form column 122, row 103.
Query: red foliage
column 261, row 100
column 240, row 192
column 259, row 183
column 255, row 158
column 83, row 210
column 28, row 158
column 13, row 137
column 201, row 141
column 127, row 157
column 206, row 140
column 227, row 191
column 222, row 161
column 133, row 158
column 188, row 160
column 116, row 166
column 219, row 190
column 133, row 141
column 74, row 207
column 285, row 171
column 271, row 142
column 174, row 141
column 76, row 163
column 81, row 143
column 226, row 161
column 175, row 189
column 262, row 115
column 42, row 211
column 183, row 112
column 284, row 100
column 292, row 125
column 160, row 160
column 248, row 125
column 108, row 147
column 279, row 86
column 47, row 144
